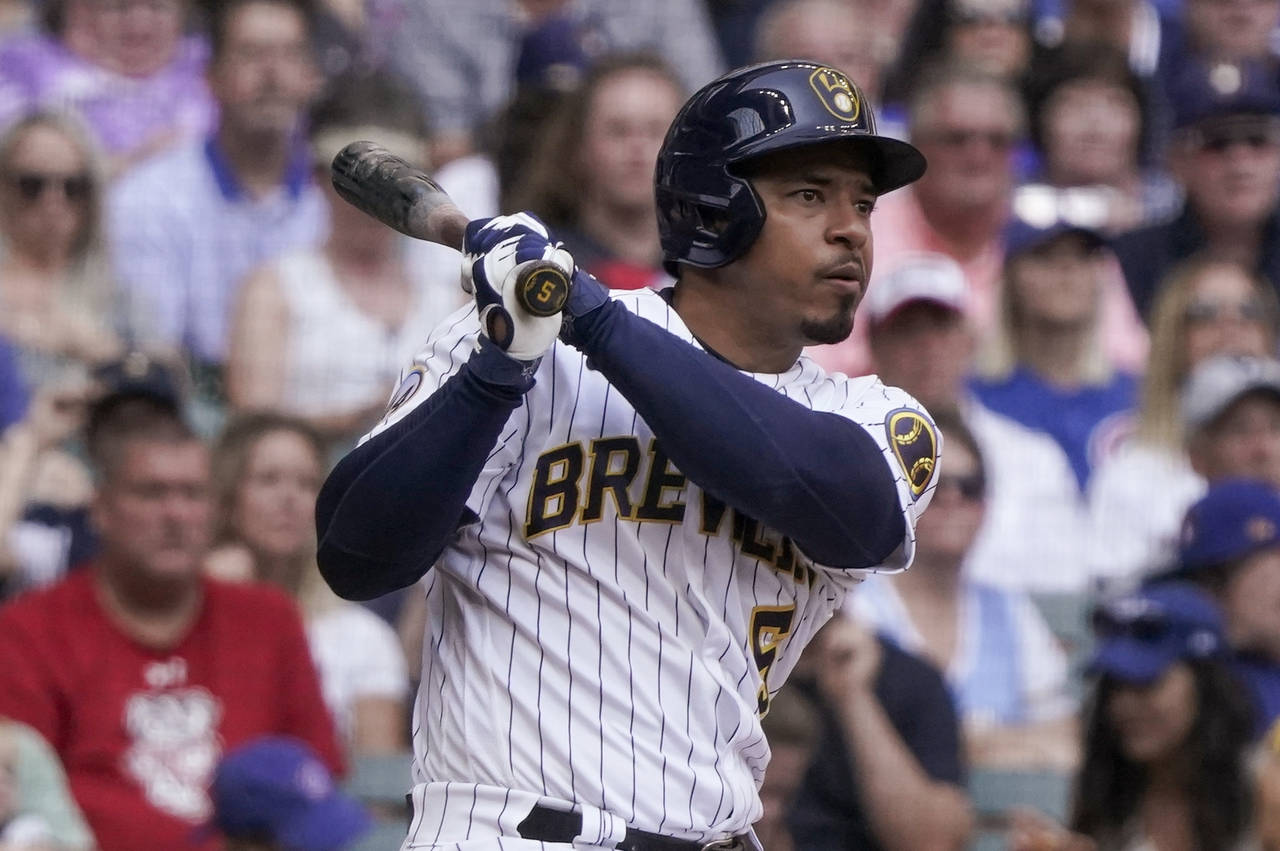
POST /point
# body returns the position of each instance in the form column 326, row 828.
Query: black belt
column 544, row 824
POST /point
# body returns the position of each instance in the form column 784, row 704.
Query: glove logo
column 915, row 445
column 836, row 93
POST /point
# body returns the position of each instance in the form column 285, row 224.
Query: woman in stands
column 1166, row 734
column 267, row 470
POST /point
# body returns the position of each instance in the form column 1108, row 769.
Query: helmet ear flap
column 709, row 230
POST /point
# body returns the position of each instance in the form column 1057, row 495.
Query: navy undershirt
column 391, row 505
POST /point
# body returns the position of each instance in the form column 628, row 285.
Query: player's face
column 1251, row 604
column 153, row 510
column 264, row 75
column 945, row 532
column 805, row 274
column 1153, row 721
column 273, row 511
column 1225, row 315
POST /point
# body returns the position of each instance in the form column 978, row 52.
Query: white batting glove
column 494, row 252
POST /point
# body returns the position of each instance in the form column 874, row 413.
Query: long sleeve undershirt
column 815, row 477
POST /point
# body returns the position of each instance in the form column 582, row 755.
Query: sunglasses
column 32, row 185
column 1202, row 312
column 972, row 487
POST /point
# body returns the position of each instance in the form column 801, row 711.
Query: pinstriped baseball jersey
column 604, row 632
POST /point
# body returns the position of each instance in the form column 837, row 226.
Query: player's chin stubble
column 835, row 327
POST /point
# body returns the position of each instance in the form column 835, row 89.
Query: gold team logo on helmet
column 915, row 445
column 837, row 93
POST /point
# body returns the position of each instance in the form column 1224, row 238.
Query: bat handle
column 542, row 288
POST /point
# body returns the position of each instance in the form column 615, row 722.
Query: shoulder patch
column 915, row 444
column 409, row 386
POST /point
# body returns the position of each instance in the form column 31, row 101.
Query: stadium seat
column 381, row 783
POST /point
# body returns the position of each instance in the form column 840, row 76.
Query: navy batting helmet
column 708, row 214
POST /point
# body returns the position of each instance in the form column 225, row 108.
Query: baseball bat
column 403, row 197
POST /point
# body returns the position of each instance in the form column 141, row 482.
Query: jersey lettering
column 662, row 477
column 609, row 453
column 557, row 493
column 553, row 498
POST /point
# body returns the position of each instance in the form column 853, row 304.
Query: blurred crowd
column 1083, row 290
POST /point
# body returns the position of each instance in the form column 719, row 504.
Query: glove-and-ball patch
column 915, row 444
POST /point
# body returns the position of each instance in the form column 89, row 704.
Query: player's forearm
column 816, row 477
column 907, row 808
column 390, row 506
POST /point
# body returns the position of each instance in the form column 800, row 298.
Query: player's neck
column 732, row 334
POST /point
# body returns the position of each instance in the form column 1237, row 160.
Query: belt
column 544, row 824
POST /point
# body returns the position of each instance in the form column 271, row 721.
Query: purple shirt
column 125, row 113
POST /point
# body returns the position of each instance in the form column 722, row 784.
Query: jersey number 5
column 770, row 625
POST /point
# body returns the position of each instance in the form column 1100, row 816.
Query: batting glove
column 494, row 250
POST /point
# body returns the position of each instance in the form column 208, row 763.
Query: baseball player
column 632, row 517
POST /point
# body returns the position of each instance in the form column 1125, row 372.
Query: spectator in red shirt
column 139, row 671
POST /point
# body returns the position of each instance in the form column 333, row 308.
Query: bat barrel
column 396, row 193
column 402, row 196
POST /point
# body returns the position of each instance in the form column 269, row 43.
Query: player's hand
column 494, row 250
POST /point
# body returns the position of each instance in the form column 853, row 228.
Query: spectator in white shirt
column 1008, row 674
column 1138, row 496
column 267, row 470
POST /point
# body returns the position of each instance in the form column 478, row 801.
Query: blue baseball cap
column 276, row 788
column 1234, row 519
column 1204, row 94
column 1142, row 633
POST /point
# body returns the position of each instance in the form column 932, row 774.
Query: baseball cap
column 1040, row 213
column 1142, row 633
column 1218, row 382
column 276, row 787
column 917, row 277
column 138, row 374
column 1234, row 519
column 557, row 53
column 1205, row 95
